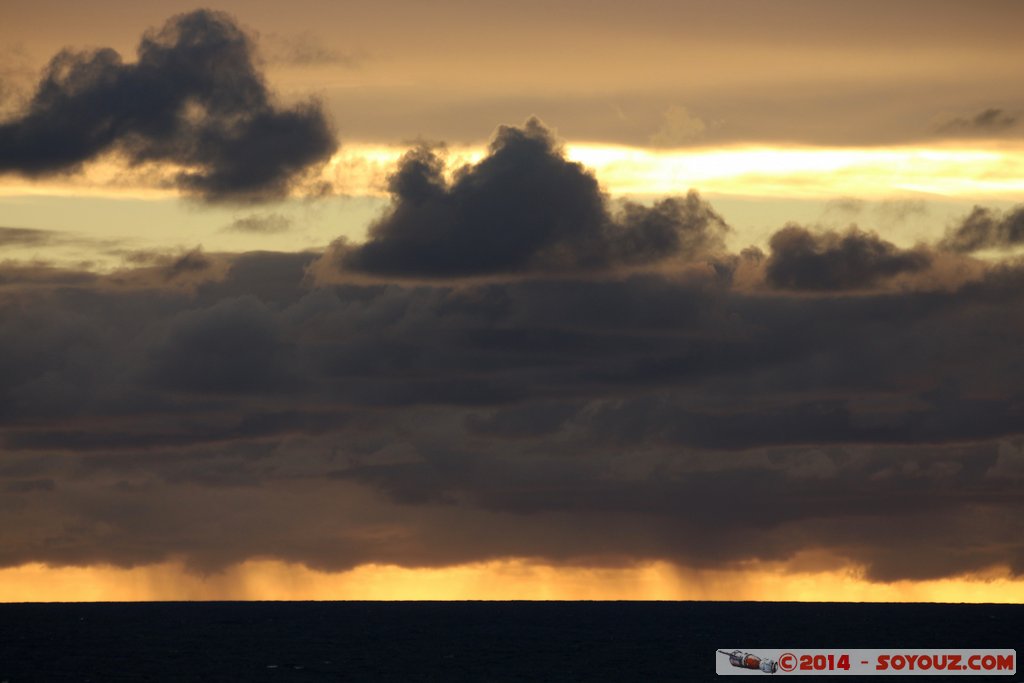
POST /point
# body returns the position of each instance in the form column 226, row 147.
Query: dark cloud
column 801, row 259
column 987, row 121
column 621, row 389
column 194, row 97
column 986, row 229
column 234, row 346
column 524, row 207
column 589, row 420
column 273, row 278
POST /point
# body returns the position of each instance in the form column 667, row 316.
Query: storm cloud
column 801, row 259
column 589, row 420
column 523, row 208
column 194, row 98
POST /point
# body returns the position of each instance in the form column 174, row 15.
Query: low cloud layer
column 193, row 98
column 523, row 208
column 587, row 420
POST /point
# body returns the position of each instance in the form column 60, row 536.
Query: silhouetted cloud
column 194, row 98
column 855, row 259
column 986, row 229
column 524, row 207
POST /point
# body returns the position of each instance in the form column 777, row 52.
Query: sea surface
column 462, row 641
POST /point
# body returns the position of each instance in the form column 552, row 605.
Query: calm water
column 460, row 641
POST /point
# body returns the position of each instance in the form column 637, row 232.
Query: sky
column 478, row 300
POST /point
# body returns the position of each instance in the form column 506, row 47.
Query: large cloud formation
column 524, row 207
column 617, row 388
column 194, row 98
column 587, row 420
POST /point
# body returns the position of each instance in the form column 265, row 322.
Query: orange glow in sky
column 976, row 171
column 495, row 580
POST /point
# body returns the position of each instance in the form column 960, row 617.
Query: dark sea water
column 461, row 641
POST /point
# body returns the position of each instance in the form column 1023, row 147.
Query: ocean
column 461, row 641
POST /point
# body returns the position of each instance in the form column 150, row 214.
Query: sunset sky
column 578, row 300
